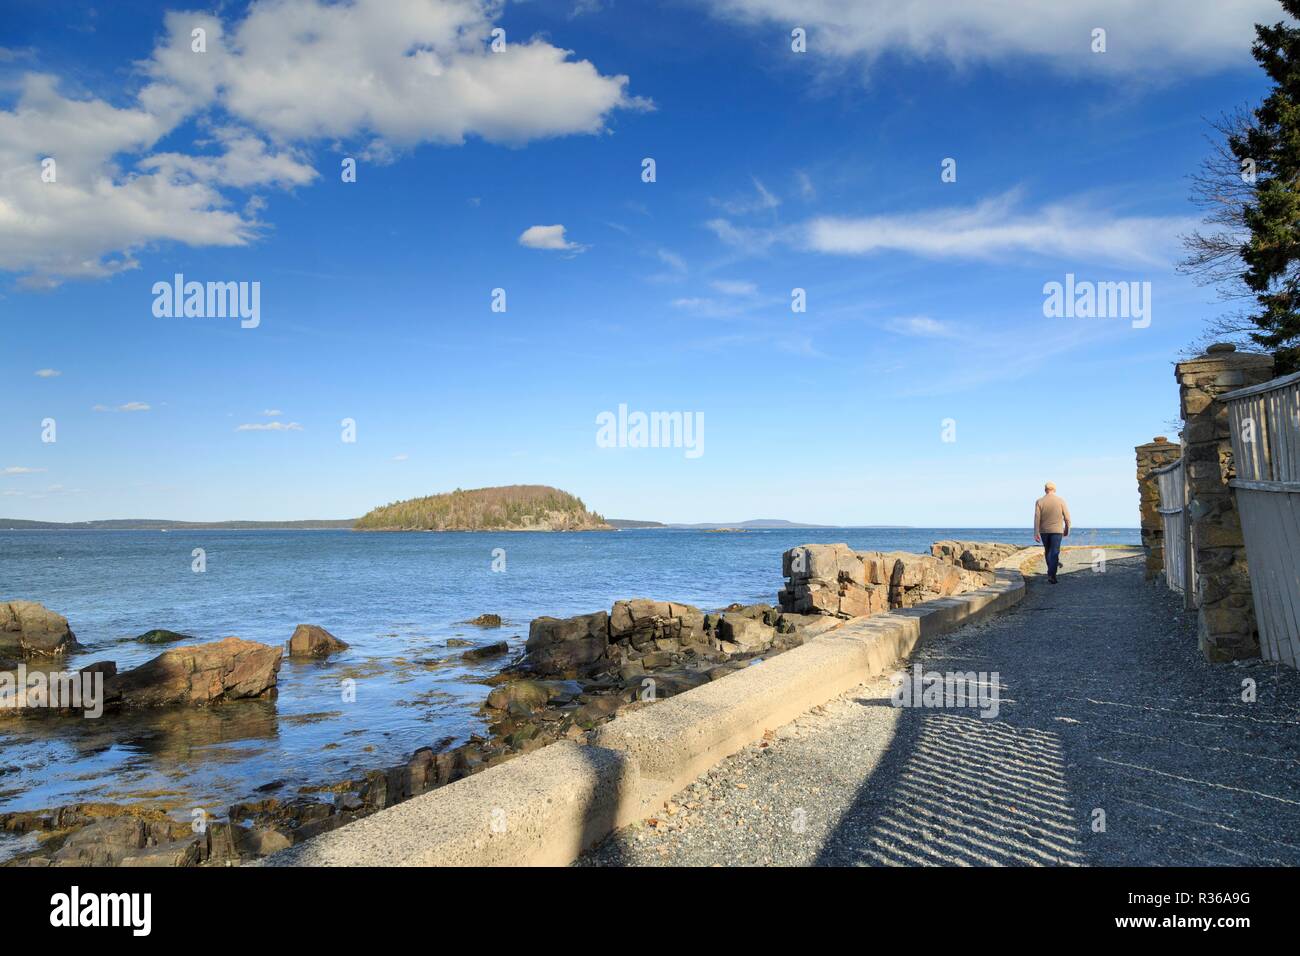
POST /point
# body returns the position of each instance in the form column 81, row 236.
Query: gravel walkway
column 1116, row 744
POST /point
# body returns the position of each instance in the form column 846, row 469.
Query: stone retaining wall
column 1154, row 455
column 1225, row 603
column 546, row 807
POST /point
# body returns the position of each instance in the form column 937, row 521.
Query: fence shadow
column 959, row 790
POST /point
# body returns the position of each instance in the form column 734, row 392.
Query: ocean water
column 396, row 598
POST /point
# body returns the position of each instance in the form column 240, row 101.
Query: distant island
column 508, row 508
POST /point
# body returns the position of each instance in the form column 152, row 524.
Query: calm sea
column 396, row 598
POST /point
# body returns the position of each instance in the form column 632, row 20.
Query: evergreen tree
column 1272, row 254
column 1252, row 186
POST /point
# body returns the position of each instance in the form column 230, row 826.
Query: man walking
column 1051, row 524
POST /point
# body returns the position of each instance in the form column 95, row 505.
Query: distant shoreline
column 289, row 526
column 157, row 524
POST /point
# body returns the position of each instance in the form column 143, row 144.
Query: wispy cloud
column 738, row 287
column 708, row 307
column 22, row 470
column 922, row 326
column 672, row 260
column 48, row 373
column 750, row 240
column 761, row 199
column 807, row 190
column 269, row 427
column 998, row 228
column 1057, row 35
column 127, row 407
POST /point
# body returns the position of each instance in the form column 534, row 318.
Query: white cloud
column 998, row 228
column 272, row 412
column 404, row 71
column 734, row 287
column 22, row 470
column 548, row 237
column 1147, row 37
column 708, row 307
column 761, row 200
column 754, row 241
column 375, row 76
column 48, row 373
column 806, row 188
column 127, row 407
column 245, row 162
column 269, row 427
column 92, row 218
column 401, row 457
column 922, row 326
column 672, row 260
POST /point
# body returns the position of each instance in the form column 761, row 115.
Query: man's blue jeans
column 1052, row 552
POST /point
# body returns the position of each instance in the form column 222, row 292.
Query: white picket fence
column 1172, row 481
column 1265, row 423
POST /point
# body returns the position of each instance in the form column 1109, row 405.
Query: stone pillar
column 1225, row 606
column 1155, row 454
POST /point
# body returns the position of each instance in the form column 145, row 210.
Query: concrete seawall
column 546, row 807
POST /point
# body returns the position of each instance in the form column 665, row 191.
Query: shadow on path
column 1116, row 744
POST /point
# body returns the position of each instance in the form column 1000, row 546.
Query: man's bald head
column 1049, row 487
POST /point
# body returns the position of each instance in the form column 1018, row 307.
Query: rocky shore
column 574, row 674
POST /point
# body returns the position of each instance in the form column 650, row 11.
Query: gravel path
column 1116, row 744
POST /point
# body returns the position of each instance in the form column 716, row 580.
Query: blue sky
column 775, row 170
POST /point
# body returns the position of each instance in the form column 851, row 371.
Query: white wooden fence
column 1172, row 482
column 1265, row 423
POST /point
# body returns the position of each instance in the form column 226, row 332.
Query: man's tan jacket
column 1051, row 515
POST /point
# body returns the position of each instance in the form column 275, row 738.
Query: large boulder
column 230, row 669
column 160, row 635
column 34, row 630
column 833, row 580
column 520, row 696
column 749, row 634
column 821, row 561
column 103, row 843
column 973, row 555
column 524, row 697
column 495, row 649
column 310, row 640
column 640, row 621
column 558, row 646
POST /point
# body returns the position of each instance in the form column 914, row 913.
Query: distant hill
column 755, row 524
column 159, row 524
column 508, row 508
